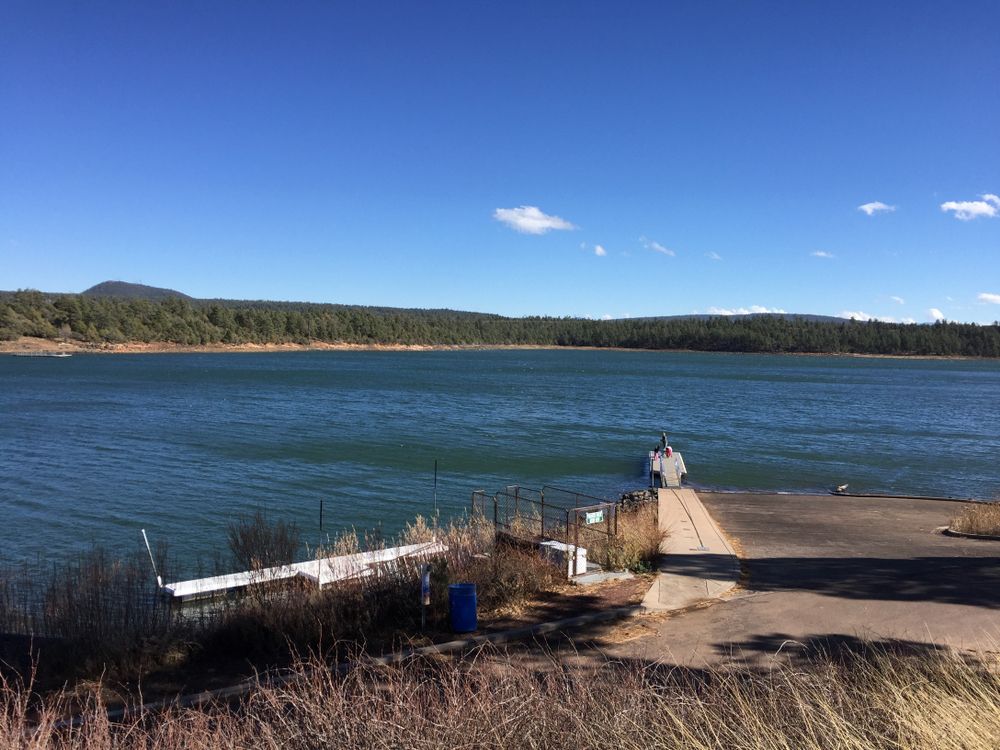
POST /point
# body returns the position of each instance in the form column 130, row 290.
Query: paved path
column 697, row 564
column 825, row 570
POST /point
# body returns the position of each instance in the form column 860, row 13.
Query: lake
column 95, row 447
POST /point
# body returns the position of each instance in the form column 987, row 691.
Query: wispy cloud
column 935, row 314
column 607, row 317
column 530, row 220
column 968, row 210
column 822, row 254
column 908, row 321
column 656, row 246
column 600, row 251
column 743, row 310
column 875, row 207
column 897, row 300
column 987, row 297
column 713, row 256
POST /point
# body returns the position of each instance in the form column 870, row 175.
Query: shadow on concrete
column 830, row 647
column 973, row 581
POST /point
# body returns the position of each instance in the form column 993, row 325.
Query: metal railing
column 551, row 513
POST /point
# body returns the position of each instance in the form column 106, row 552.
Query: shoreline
column 35, row 345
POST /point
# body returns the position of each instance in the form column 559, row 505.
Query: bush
column 637, row 544
column 982, row 519
column 257, row 543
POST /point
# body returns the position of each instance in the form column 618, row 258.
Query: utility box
column 570, row 558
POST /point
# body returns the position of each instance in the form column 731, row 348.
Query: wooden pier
column 667, row 471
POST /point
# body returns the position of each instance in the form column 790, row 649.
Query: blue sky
column 395, row 154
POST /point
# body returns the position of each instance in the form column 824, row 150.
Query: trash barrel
column 462, row 602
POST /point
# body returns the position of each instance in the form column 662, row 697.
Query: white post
column 159, row 581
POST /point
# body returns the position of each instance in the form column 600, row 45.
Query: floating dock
column 667, row 471
column 320, row 572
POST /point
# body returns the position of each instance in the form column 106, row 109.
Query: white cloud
column 743, row 310
column 987, row 297
column 822, row 254
column 530, row 220
column 875, row 207
column 856, row 314
column 865, row 317
column 969, row 210
column 713, row 256
column 656, row 246
column 908, row 321
column 898, row 300
column 600, row 251
column 607, row 317
column 935, row 314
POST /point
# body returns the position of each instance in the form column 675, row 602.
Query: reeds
column 877, row 700
column 637, row 544
column 99, row 616
column 982, row 519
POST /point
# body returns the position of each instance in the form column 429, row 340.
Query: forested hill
column 131, row 291
column 201, row 322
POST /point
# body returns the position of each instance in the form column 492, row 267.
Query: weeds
column 878, row 701
column 637, row 544
column 981, row 518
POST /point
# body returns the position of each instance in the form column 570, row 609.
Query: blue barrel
column 462, row 602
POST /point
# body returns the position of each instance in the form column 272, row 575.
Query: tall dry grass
column 884, row 701
column 637, row 544
column 982, row 519
column 101, row 617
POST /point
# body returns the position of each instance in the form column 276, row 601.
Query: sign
column 425, row 584
column 596, row 517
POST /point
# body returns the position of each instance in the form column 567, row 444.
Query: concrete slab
column 601, row 576
column 830, row 571
column 697, row 562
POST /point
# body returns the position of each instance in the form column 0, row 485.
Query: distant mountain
column 125, row 290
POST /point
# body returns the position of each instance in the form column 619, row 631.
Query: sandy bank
column 27, row 344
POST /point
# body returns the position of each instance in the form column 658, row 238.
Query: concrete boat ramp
column 320, row 572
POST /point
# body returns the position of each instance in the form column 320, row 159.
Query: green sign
column 596, row 517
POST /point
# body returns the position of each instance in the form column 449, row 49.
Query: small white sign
column 596, row 517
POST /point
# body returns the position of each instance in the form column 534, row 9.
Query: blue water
column 95, row 447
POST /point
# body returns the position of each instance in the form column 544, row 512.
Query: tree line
column 99, row 320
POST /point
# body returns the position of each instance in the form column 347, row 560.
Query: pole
column 159, row 581
column 435, row 487
column 321, row 515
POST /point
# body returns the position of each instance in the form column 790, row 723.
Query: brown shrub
column 981, row 518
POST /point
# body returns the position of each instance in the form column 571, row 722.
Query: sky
column 555, row 158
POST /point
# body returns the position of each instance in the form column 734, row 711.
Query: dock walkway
column 667, row 472
column 321, row 572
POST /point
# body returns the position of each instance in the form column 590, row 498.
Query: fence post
column 607, row 523
column 576, row 537
column 496, row 518
column 541, row 496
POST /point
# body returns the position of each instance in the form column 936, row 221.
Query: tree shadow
column 973, row 581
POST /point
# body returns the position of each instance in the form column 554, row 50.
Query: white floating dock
column 321, row 572
column 667, row 472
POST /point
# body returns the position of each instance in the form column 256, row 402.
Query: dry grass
column 101, row 618
column 982, row 518
column 638, row 542
column 883, row 701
